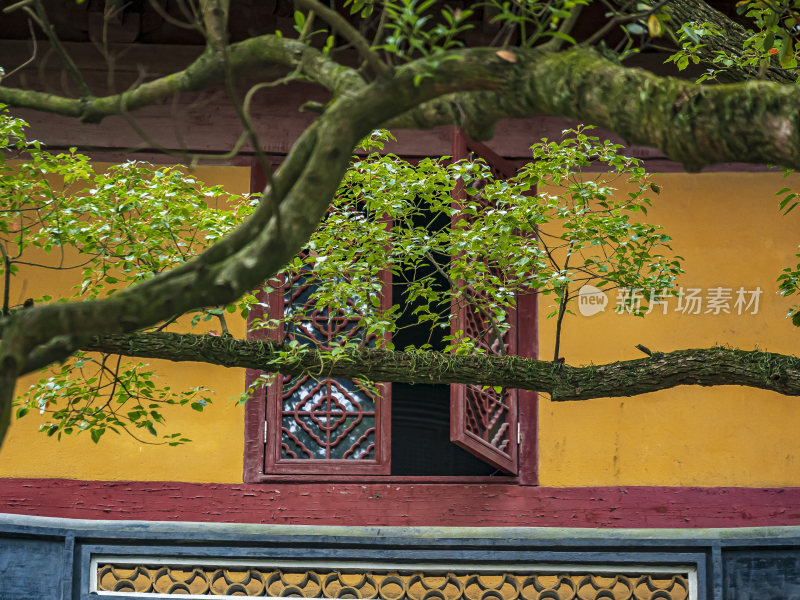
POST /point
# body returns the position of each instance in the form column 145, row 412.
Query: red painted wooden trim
column 507, row 169
column 333, row 477
column 528, row 402
column 403, row 505
column 255, row 408
column 254, row 419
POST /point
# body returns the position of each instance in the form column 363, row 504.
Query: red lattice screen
column 313, row 424
column 336, row 420
column 483, row 421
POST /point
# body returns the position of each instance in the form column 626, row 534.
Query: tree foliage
column 552, row 228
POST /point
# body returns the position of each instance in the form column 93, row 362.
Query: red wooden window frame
column 262, row 456
column 276, row 463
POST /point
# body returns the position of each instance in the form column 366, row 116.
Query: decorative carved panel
column 484, row 421
column 324, row 418
column 489, row 415
column 312, row 419
column 579, row 584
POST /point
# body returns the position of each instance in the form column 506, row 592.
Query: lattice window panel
column 336, row 420
column 484, row 421
column 574, row 583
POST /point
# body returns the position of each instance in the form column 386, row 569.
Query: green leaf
column 690, row 33
column 562, row 36
column 787, row 59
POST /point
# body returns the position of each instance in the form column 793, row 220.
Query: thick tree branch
column 209, row 68
column 707, row 367
column 693, row 124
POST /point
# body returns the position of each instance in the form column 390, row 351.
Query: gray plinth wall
column 47, row 559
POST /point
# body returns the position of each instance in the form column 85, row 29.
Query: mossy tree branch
column 706, row 367
column 689, row 122
column 208, row 69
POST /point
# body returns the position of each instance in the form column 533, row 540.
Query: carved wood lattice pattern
column 324, row 418
column 488, row 413
column 389, row 585
column 486, row 419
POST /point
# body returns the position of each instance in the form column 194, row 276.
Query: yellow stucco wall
column 728, row 228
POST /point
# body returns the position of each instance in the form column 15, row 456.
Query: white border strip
column 433, row 568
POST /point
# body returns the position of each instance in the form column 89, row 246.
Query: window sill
column 388, row 479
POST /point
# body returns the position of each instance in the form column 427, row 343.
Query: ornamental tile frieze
column 389, row 585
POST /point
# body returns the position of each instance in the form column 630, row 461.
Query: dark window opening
column 421, row 443
column 421, row 434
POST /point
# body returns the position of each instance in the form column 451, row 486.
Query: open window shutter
column 484, row 421
column 317, row 424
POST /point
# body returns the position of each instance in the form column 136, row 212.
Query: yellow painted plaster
column 728, row 228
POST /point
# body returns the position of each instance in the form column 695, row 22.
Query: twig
column 17, row 5
column 27, row 62
column 167, row 323
column 242, row 111
column 555, row 44
column 223, row 324
column 40, row 16
column 619, row 20
column 562, row 308
column 194, row 158
column 7, row 279
column 485, row 313
column 340, row 24
column 172, row 20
